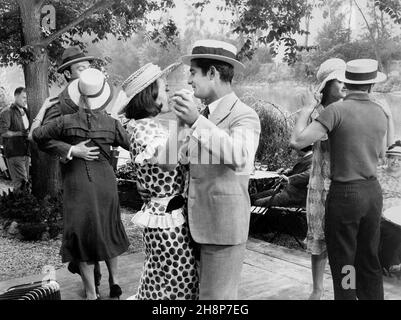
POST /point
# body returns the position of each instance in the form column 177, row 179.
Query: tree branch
column 371, row 36
column 95, row 8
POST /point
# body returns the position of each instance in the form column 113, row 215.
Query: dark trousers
column 19, row 170
column 352, row 231
column 390, row 244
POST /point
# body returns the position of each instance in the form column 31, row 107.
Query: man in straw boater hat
column 73, row 62
column 356, row 128
column 221, row 153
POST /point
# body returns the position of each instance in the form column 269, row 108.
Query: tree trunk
column 45, row 170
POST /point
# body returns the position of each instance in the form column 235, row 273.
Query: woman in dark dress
column 93, row 230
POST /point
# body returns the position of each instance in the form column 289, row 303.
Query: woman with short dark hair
column 169, row 270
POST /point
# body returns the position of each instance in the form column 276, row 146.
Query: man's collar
column 212, row 106
column 16, row 106
column 223, row 108
column 357, row 95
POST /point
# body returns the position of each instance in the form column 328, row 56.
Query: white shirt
column 212, row 108
column 25, row 120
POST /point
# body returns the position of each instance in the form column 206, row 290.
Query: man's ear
column 212, row 73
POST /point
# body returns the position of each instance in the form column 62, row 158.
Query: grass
column 24, row 258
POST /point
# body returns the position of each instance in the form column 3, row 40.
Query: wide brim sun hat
column 331, row 69
column 362, row 71
column 215, row 50
column 93, row 87
column 140, row 80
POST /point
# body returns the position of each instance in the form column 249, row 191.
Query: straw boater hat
column 72, row 55
column 362, row 71
column 329, row 70
column 92, row 87
column 138, row 81
column 216, row 50
column 394, row 151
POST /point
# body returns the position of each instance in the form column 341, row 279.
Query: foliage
column 276, row 127
column 118, row 18
column 391, row 7
column 272, row 23
column 32, row 215
column 126, row 171
column 334, row 41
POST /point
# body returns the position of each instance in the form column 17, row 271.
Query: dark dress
column 93, row 230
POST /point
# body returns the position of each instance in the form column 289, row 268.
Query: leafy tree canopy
column 75, row 19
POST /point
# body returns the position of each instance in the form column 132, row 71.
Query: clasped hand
column 185, row 108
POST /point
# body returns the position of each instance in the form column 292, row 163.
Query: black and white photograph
column 206, row 151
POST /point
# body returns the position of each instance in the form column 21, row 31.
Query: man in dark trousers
column 295, row 185
column 356, row 128
column 14, row 128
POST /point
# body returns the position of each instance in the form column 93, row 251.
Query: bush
column 127, row 191
column 126, row 172
column 34, row 217
column 276, row 127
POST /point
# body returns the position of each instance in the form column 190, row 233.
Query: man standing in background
column 14, row 128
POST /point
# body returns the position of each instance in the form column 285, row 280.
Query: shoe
column 115, row 291
column 395, row 270
column 73, row 268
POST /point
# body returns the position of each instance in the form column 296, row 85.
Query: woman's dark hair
column 226, row 70
column 325, row 91
column 143, row 104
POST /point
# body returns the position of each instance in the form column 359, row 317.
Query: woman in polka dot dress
column 169, row 270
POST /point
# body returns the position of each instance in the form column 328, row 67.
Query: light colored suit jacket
column 221, row 154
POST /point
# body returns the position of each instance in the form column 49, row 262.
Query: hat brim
column 124, row 100
column 97, row 103
column 69, row 63
column 238, row 66
column 335, row 75
column 379, row 78
column 393, row 153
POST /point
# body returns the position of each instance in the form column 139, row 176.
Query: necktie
column 206, row 112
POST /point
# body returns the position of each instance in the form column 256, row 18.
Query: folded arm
column 300, row 179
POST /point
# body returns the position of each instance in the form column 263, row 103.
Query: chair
column 299, row 213
column 259, row 213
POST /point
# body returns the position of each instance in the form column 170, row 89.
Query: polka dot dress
column 170, row 270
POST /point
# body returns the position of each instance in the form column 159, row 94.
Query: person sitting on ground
column 389, row 177
column 295, row 185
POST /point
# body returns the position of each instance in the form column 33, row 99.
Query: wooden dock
column 270, row 272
